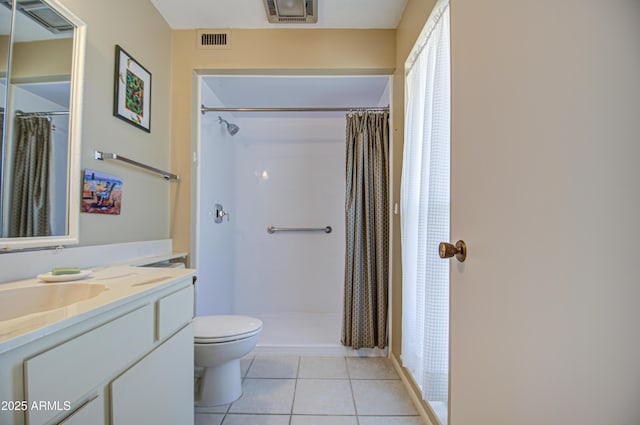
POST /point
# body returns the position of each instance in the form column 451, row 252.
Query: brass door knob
column 448, row 250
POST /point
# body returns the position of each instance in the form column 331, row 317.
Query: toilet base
column 220, row 384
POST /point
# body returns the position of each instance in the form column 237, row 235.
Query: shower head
column 231, row 128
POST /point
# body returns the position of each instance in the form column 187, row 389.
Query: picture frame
column 132, row 91
column 101, row 193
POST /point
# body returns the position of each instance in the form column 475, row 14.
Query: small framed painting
column 101, row 193
column 132, row 98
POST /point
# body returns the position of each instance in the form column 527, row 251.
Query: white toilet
column 220, row 342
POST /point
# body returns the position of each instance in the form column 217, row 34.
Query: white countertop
column 125, row 284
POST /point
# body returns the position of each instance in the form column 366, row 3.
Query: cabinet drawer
column 68, row 371
column 173, row 312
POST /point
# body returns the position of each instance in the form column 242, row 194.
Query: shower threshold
column 305, row 334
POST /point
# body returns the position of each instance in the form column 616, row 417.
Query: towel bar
column 103, row 155
column 273, row 229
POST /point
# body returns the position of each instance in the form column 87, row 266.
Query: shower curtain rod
column 204, row 109
column 35, row 114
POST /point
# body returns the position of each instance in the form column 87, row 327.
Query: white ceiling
column 188, row 14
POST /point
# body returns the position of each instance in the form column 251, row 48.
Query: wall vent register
column 214, row 39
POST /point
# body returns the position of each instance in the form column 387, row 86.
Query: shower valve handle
column 219, row 213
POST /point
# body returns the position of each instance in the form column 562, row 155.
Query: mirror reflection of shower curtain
column 30, row 202
column 364, row 323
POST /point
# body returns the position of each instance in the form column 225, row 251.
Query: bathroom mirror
column 40, row 156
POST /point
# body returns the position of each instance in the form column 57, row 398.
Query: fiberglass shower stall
column 282, row 169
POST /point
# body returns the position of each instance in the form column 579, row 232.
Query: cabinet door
column 90, row 413
column 159, row 389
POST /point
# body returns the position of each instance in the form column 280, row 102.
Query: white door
column 545, row 312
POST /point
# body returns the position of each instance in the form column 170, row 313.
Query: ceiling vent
column 292, row 11
column 42, row 14
column 214, row 39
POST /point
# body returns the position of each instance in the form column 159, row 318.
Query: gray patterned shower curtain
column 366, row 280
column 30, row 203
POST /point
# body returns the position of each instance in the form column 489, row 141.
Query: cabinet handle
column 77, row 409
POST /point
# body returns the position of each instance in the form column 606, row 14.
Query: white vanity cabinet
column 159, row 389
column 130, row 364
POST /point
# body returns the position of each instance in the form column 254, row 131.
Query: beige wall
column 36, row 59
column 4, row 51
column 413, row 19
column 139, row 29
column 275, row 51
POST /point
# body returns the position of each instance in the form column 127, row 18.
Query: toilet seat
column 224, row 328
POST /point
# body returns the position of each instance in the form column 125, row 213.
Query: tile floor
column 292, row 390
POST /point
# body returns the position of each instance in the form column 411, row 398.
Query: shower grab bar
column 273, row 229
column 103, row 155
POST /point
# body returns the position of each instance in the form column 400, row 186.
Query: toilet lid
column 225, row 328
